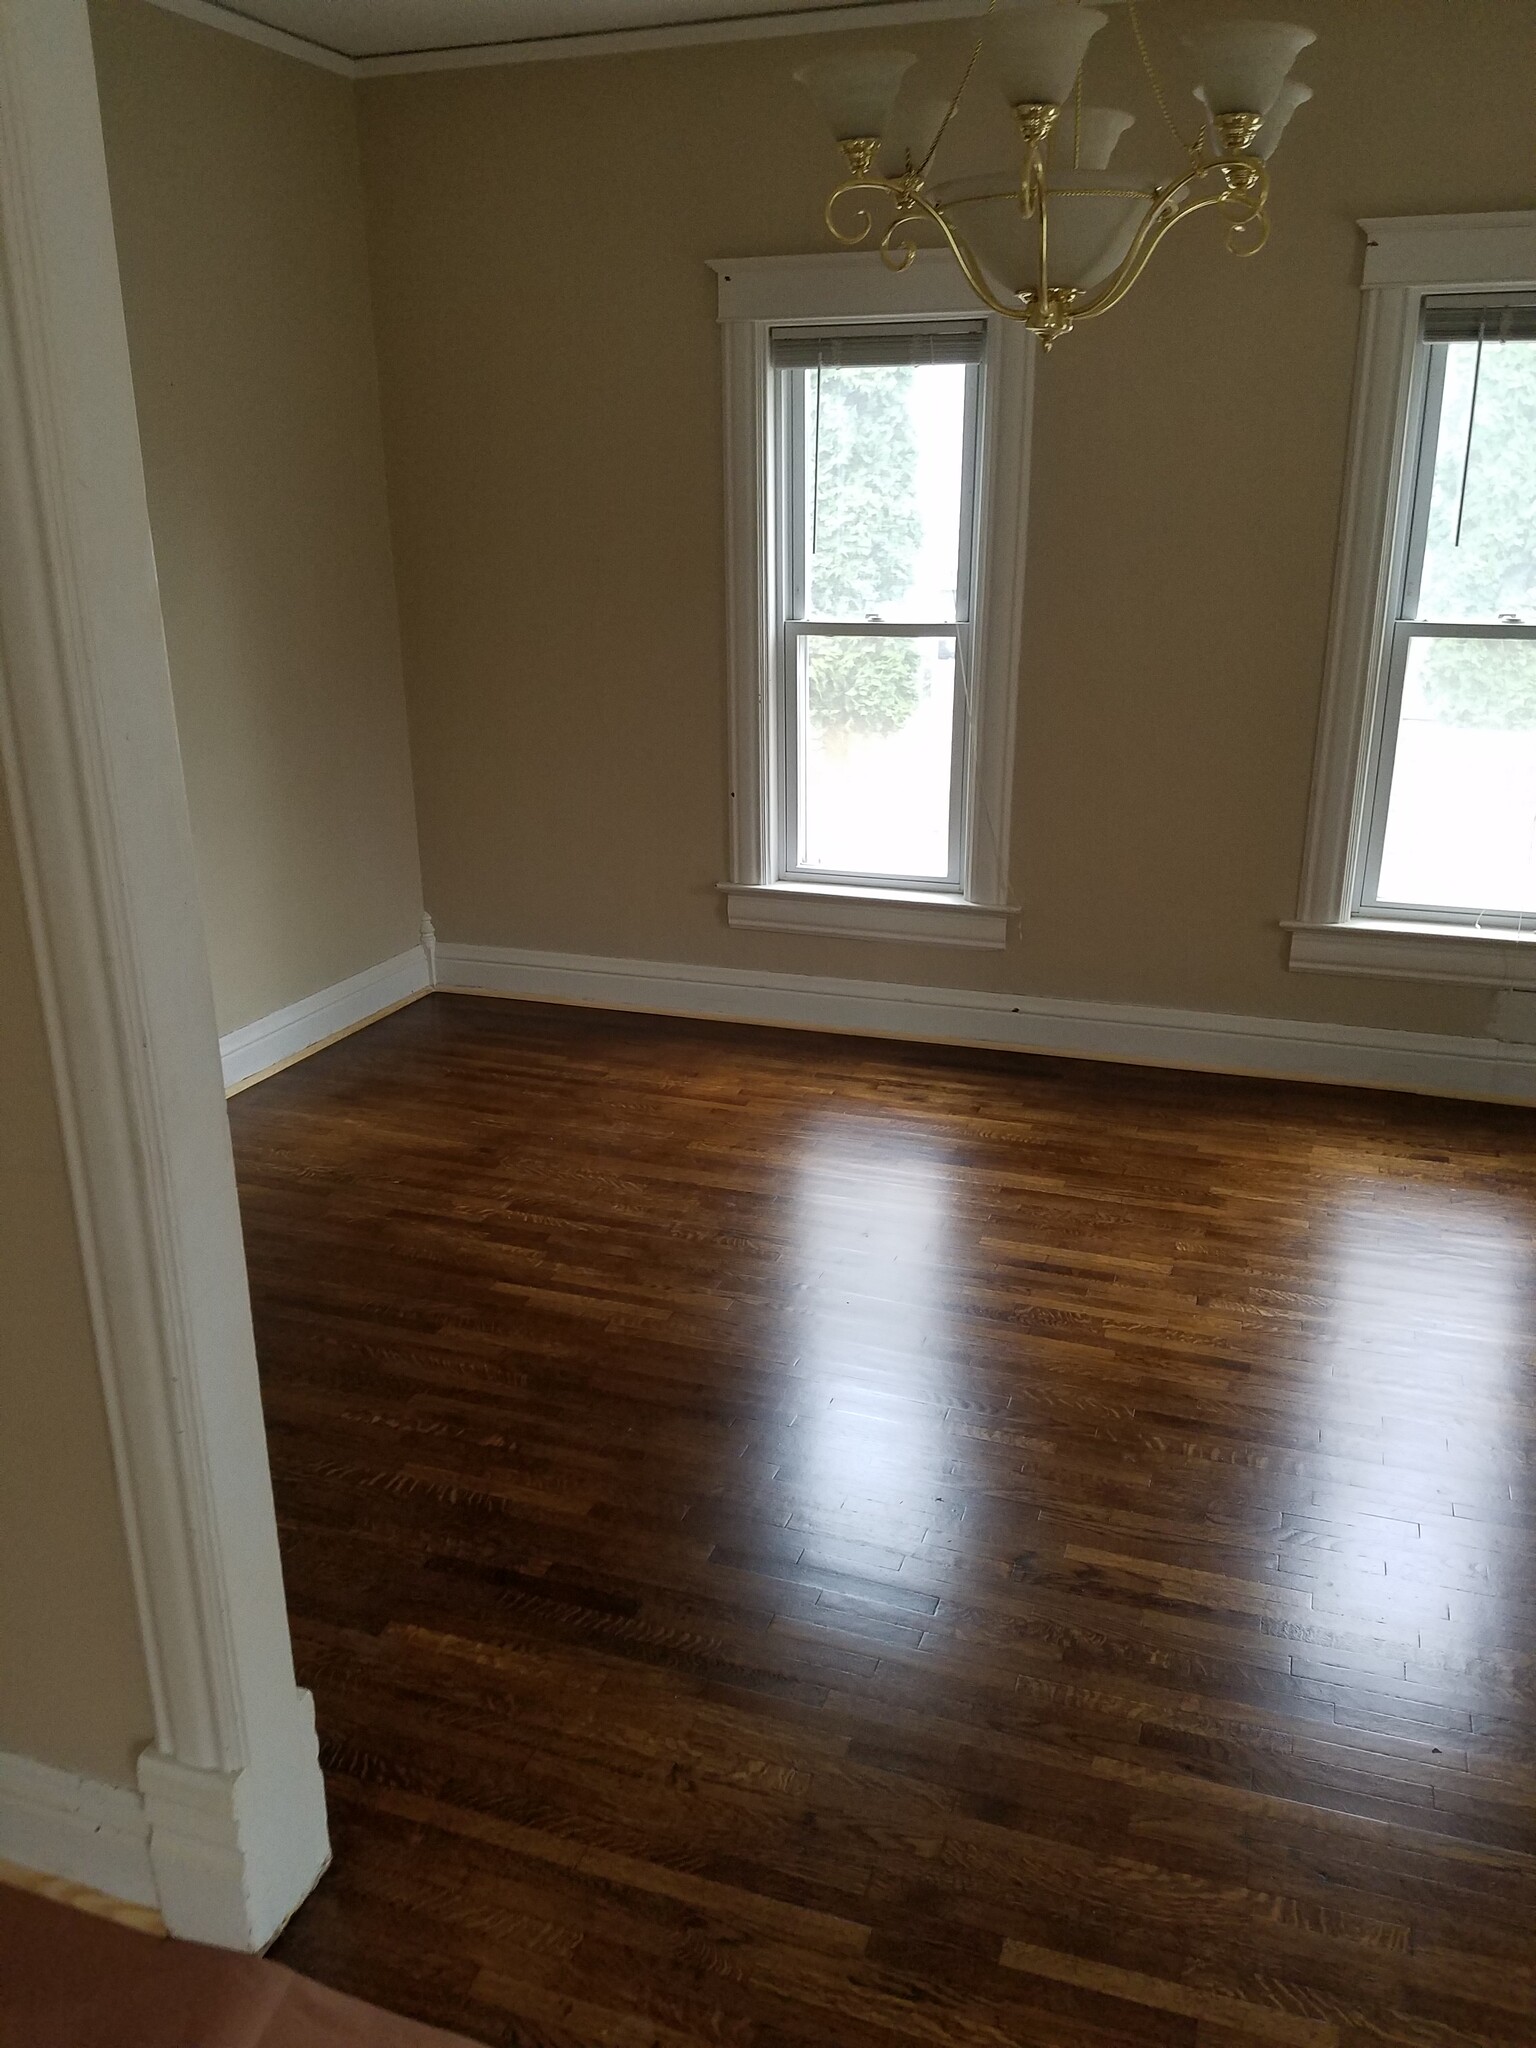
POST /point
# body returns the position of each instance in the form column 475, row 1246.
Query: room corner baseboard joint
column 259, row 1048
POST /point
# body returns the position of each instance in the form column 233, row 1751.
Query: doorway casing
column 229, row 1808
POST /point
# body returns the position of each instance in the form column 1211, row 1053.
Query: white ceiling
column 363, row 36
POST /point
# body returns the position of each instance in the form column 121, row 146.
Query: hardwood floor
column 797, row 1541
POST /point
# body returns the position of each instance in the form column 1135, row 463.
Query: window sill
column 1400, row 951
column 845, row 913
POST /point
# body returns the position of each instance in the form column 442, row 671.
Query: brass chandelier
column 1064, row 237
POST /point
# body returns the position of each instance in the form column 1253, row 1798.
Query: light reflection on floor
column 1422, row 1340
column 1386, row 1372
column 870, row 1273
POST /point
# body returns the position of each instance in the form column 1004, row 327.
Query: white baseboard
column 255, row 1049
column 66, row 1826
column 225, row 1856
column 235, row 1853
column 1419, row 1062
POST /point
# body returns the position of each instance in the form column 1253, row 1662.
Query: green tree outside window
column 1480, row 545
column 866, row 539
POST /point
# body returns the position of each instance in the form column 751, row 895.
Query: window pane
column 1461, row 821
column 877, row 716
column 1480, row 546
column 883, row 461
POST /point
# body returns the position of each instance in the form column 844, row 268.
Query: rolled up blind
column 873, row 347
column 1480, row 319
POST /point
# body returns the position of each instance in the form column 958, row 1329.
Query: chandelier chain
column 954, row 106
column 1077, row 120
column 1153, row 80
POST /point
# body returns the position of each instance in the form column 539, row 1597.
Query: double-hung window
column 1423, row 851
column 876, row 477
column 1452, row 827
column 877, row 489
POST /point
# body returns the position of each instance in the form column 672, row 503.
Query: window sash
column 1401, row 636
column 791, row 868
column 1437, row 320
column 794, row 629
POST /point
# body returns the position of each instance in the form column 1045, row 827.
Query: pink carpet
column 71, row 1980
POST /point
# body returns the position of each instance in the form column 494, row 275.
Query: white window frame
column 1406, row 261
column 795, row 627
column 755, row 295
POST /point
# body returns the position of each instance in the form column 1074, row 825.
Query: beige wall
column 239, row 216
column 550, row 379
column 73, row 1690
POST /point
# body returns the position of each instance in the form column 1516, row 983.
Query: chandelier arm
column 1244, row 187
column 1174, row 193
column 898, row 256
column 865, row 219
column 1259, row 221
column 912, row 204
column 974, row 275
column 1172, row 202
column 1158, row 223
column 1140, row 255
column 1247, row 207
column 1164, row 206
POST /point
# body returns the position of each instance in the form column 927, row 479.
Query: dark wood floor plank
column 797, row 1541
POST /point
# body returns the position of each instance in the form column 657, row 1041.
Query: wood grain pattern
column 797, row 1541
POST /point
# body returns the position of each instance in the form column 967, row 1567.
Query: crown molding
column 237, row 24
column 857, row 14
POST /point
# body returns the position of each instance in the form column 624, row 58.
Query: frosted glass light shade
column 1090, row 230
column 1098, row 130
column 1243, row 64
column 1039, row 46
column 857, row 92
column 1292, row 94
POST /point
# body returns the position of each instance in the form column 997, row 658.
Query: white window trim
column 754, row 293
column 1405, row 261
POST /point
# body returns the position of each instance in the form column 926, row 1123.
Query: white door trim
column 232, row 1793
